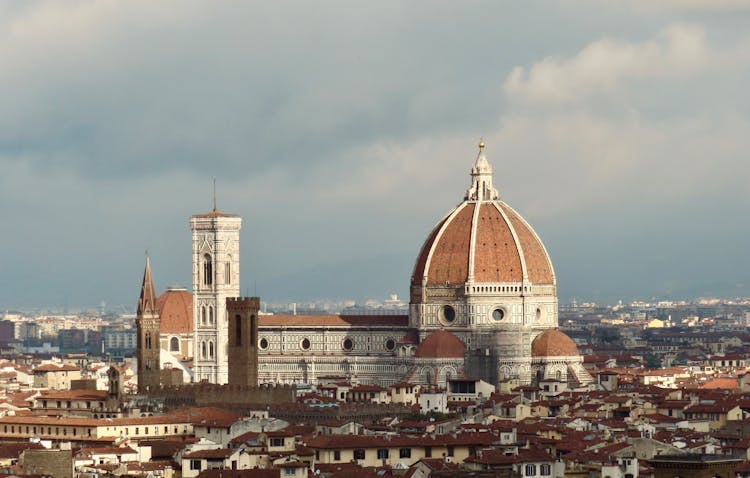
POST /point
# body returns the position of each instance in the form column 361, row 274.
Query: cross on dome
column 481, row 179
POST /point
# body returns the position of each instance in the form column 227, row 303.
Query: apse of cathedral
column 483, row 305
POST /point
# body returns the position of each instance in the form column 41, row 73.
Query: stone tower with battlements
column 147, row 329
column 242, row 313
column 216, row 276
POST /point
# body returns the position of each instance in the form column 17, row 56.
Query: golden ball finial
column 481, row 144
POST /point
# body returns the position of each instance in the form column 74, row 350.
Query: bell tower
column 147, row 329
column 216, row 276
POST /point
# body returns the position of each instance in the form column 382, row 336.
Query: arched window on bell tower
column 148, row 340
column 228, row 271
column 208, row 270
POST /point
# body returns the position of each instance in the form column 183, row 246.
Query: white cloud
column 604, row 65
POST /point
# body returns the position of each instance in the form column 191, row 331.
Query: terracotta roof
column 538, row 264
column 496, row 256
column 441, row 344
column 74, row 395
column 363, row 441
column 50, row 367
column 175, row 308
column 252, row 473
column 333, row 320
column 449, row 262
column 506, row 248
column 214, row 213
column 217, row 454
column 553, row 343
column 722, row 383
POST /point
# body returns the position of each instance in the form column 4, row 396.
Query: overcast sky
column 341, row 131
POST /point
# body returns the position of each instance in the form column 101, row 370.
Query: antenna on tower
column 214, row 194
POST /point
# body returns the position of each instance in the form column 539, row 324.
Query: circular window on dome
column 348, row 344
column 263, row 344
column 390, row 345
column 449, row 313
column 498, row 314
column 305, row 344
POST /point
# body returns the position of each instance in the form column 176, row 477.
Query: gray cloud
column 342, row 131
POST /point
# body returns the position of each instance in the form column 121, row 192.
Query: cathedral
column 483, row 304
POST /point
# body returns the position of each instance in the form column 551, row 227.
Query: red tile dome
column 176, row 311
column 441, row 344
column 482, row 240
column 553, row 343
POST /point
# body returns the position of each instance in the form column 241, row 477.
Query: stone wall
column 57, row 463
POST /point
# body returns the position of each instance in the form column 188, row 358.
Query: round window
column 538, row 314
column 263, row 344
column 498, row 314
column 449, row 313
column 390, row 345
column 348, row 344
column 305, row 344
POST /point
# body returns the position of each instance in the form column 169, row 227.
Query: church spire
column 147, row 300
column 481, row 179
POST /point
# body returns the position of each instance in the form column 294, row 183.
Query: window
column 404, row 453
column 289, row 471
column 359, row 454
column 449, row 314
column 228, row 273
column 208, row 270
column 449, row 450
column 498, row 314
column 428, row 452
column 277, row 442
column 195, row 464
column 305, row 344
column 211, row 350
column 210, row 315
column 546, row 470
column 238, row 330
column 203, row 349
column 203, row 315
column 336, row 455
column 382, row 453
column 530, row 470
column 263, row 343
column 174, row 344
column 148, row 340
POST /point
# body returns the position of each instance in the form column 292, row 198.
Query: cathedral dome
column 441, row 344
column 482, row 240
column 175, row 307
column 553, row 343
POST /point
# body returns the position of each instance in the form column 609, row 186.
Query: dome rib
column 473, row 243
column 538, row 264
column 422, row 264
column 448, row 261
